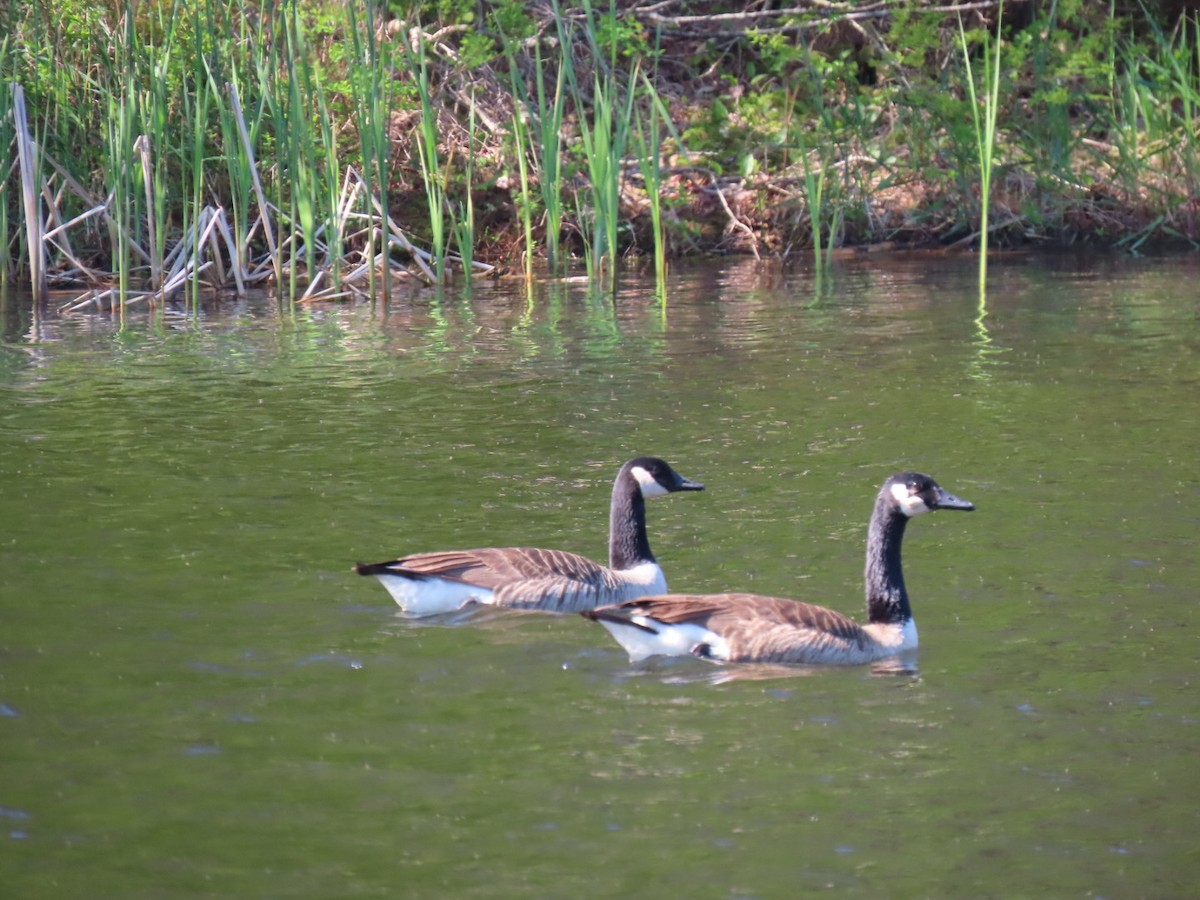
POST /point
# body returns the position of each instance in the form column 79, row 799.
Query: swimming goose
column 754, row 628
column 552, row 580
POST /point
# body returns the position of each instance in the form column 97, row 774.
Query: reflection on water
column 184, row 494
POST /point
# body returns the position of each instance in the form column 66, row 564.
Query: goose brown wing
column 757, row 628
column 494, row 567
column 524, row 577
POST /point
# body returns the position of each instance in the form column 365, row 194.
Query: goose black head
column 914, row 494
column 655, row 477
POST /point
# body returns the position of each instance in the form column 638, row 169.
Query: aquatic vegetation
column 648, row 128
column 605, row 121
column 985, row 126
column 330, row 150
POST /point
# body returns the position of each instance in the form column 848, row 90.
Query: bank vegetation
column 175, row 148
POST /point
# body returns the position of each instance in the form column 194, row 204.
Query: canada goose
column 753, row 628
column 552, row 580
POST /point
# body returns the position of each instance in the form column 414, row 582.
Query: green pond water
column 198, row 698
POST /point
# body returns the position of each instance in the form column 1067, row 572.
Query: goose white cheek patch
column 910, row 504
column 650, row 487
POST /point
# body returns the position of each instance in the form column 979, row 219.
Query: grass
column 151, row 150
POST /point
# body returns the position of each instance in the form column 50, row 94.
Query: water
column 197, row 698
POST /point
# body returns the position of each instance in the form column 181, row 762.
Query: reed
column 194, row 105
column 7, row 140
column 294, row 129
column 550, row 109
column 604, row 136
column 1154, row 131
column 1185, row 77
column 818, row 139
column 985, row 125
column 464, row 219
column 371, row 79
column 119, row 146
column 814, row 191
column 432, row 175
column 238, row 186
column 649, row 155
column 202, row 143
column 156, row 140
column 537, row 142
column 30, row 174
column 522, row 147
column 250, row 164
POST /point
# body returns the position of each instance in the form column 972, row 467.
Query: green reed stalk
column 522, row 145
column 194, row 103
column 237, row 173
column 120, row 136
column 464, row 222
column 549, row 159
column 537, row 134
column 1174, row 68
column 30, row 168
column 604, row 137
column 1187, row 73
column 649, row 143
column 328, row 147
column 251, row 163
column 585, row 217
column 298, row 174
column 814, row 190
column 7, row 138
column 370, row 81
column 427, row 150
column 589, row 248
column 985, row 127
column 154, row 176
column 320, row 163
column 817, row 158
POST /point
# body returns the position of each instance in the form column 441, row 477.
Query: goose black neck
column 887, row 599
column 627, row 542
